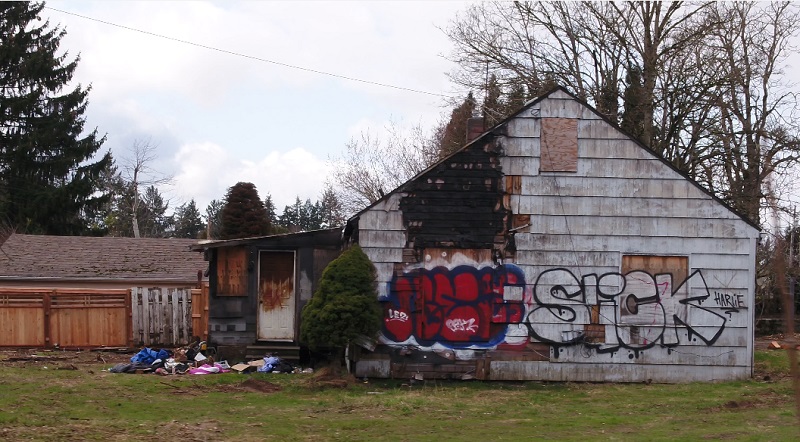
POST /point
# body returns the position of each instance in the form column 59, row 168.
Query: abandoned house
column 556, row 247
column 551, row 247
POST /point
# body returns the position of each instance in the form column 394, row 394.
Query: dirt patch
column 260, row 386
column 69, row 359
column 764, row 400
column 251, row 385
column 762, row 342
column 739, row 404
column 326, row 377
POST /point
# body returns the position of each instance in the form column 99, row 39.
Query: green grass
column 39, row 404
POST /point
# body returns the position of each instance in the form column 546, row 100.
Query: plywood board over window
column 232, row 271
column 559, row 145
column 653, row 281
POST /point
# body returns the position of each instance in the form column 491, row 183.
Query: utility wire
column 252, row 57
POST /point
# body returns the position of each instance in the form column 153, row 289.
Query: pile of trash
column 270, row 364
column 198, row 359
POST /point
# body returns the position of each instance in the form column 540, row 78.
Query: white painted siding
column 622, row 200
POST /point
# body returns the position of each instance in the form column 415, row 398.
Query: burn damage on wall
column 459, row 203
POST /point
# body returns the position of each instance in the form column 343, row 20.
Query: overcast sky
column 219, row 118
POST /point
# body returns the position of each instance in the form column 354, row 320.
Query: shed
column 259, row 286
column 556, row 247
column 75, row 291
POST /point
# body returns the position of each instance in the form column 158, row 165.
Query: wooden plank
column 676, row 187
column 173, row 317
column 658, row 356
column 566, row 108
column 22, row 327
column 382, row 238
column 380, row 220
column 22, row 291
column 185, row 318
column 527, row 166
column 647, row 225
column 145, row 316
column 622, row 207
column 129, row 318
column 559, row 145
column 599, row 129
column 232, row 271
column 520, row 147
column 47, row 313
column 568, row 258
column 385, row 255
column 601, row 372
column 721, row 248
column 523, row 128
column 593, row 149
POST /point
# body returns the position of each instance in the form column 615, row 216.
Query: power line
column 252, row 57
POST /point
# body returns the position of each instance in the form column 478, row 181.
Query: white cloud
column 212, row 113
column 206, row 171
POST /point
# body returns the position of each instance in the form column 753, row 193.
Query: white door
column 276, row 296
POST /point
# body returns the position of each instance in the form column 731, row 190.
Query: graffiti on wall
column 469, row 307
column 460, row 307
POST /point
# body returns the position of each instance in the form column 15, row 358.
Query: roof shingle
column 99, row 258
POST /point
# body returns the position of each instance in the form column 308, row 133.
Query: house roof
column 317, row 237
column 495, row 130
column 81, row 258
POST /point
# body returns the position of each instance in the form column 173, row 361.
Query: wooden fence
column 200, row 312
column 64, row 317
column 70, row 318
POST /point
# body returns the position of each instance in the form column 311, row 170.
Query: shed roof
column 321, row 237
column 44, row 257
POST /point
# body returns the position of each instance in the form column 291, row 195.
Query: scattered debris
column 37, row 358
column 774, row 345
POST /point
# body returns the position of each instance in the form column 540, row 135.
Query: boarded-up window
column 652, row 281
column 677, row 266
column 232, row 271
column 559, row 145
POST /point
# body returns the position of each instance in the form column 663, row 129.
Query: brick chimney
column 475, row 127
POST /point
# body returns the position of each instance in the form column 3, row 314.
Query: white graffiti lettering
column 462, row 325
column 397, row 315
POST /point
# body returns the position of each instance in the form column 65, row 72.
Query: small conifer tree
column 344, row 306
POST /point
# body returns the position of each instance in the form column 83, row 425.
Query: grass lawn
column 38, row 403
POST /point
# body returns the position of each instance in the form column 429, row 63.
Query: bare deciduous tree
column 699, row 83
column 138, row 171
column 372, row 165
column 752, row 134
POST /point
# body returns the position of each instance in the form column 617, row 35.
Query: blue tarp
column 148, row 356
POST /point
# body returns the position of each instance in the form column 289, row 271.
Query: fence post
column 47, row 326
column 129, row 317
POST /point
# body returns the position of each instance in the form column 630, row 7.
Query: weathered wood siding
column 531, row 275
column 233, row 320
column 162, row 316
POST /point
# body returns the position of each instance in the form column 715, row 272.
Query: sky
column 217, row 118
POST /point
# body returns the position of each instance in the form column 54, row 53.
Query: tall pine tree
column 454, row 133
column 244, row 214
column 188, row 223
column 49, row 182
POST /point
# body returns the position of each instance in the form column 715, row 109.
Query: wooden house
column 259, row 286
column 556, row 247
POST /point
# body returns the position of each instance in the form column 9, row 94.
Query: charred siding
column 459, row 203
